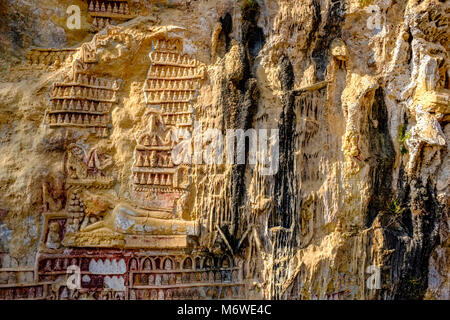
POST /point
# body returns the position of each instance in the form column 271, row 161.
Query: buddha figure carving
column 108, row 225
column 53, row 237
column 147, row 265
column 168, row 264
column 126, row 219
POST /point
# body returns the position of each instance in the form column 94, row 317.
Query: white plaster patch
column 107, row 266
column 115, row 283
column 124, row 223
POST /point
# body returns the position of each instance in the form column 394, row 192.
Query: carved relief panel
column 170, row 91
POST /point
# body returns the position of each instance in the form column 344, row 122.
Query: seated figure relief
column 81, row 164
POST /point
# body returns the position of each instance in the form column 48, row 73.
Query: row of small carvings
column 108, row 294
column 11, row 263
column 146, row 188
column 170, row 96
column 178, row 119
column 61, row 92
column 153, row 179
column 173, row 279
column 119, row 8
column 60, row 266
column 209, row 292
column 99, row 22
column 35, row 57
column 181, row 264
column 167, row 45
column 146, row 158
column 154, row 277
column 158, row 85
column 92, row 176
column 29, row 292
column 146, row 141
column 173, row 59
column 77, row 119
column 173, row 72
column 89, row 81
column 79, row 105
column 179, row 107
column 82, row 106
column 10, row 277
column 185, row 277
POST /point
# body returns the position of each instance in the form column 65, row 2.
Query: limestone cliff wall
column 357, row 92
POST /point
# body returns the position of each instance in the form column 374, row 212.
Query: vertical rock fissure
column 382, row 158
column 330, row 31
column 282, row 221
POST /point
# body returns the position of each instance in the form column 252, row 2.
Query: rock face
column 224, row 149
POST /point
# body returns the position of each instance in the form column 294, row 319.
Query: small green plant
column 365, row 3
column 402, row 137
column 395, row 208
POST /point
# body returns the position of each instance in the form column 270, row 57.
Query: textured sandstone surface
column 90, row 119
